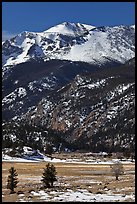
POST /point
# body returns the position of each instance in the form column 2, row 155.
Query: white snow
column 9, row 98
column 16, row 82
column 96, row 84
column 80, row 195
column 19, row 92
column 97, row 47
column 44, row 83
column 120, row 89
column 69, row 28
column 16, row 159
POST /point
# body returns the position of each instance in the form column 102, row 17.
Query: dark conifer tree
column 12, row 180
column 49, row 176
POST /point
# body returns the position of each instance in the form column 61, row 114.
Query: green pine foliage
column 12, row 180
column 49, row 176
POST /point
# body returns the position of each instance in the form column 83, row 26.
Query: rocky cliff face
column 94, row 111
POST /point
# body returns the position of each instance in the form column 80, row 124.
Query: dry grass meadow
column 96, row 178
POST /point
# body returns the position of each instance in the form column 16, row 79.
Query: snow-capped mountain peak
column 72, row 41
column 70, row 28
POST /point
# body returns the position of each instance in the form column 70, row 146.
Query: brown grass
column 96, row 178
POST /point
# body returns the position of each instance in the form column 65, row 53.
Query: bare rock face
column 94, row 110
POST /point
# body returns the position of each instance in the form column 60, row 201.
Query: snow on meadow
column 81, row 195
column 54, row 160
column 31, row 155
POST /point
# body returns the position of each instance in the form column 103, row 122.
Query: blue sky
column 39, row 16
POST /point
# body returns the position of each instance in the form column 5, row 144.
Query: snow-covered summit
column 70, row 28
column 72, row 41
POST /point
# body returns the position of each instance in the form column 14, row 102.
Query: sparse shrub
column 127, row 153
column 117, row 169
column 12, row 180
column 132, row 156
column 13, row 152
column 109, row 154
column 49, row 149
column 49, row 176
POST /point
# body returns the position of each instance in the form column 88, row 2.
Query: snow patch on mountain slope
column 98, row 46
column 26, row 44
column 19, row 92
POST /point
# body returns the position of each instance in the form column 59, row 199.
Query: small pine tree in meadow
column 49, row 176
column 12, row 180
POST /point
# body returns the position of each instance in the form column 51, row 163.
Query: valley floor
column 75, row 182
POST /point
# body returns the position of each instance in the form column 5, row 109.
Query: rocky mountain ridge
column 94, row 111
column 71, row 41
column 93, row 107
